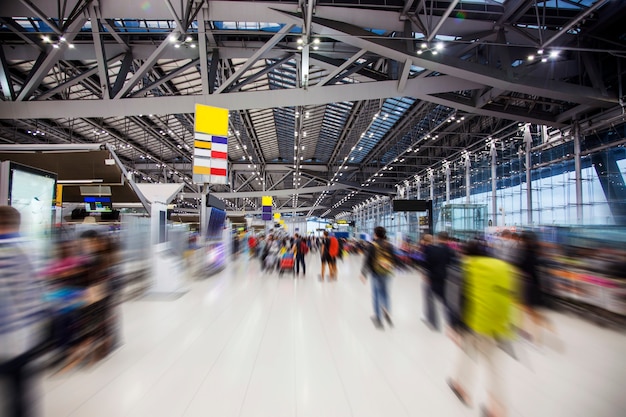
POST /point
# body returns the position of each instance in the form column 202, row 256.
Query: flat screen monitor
column 31, row 191
column 215, row 224
column 98, row 204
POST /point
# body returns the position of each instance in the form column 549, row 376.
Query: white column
column 431, row 177
column 578, row 173
column 446, row 168
column 468, row 177
column 528, row 141
column 418, row 183
column 494, row 184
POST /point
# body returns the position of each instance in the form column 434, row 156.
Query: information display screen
column 98, row 204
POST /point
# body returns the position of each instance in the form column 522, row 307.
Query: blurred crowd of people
column 287, row 253
column 62, row 317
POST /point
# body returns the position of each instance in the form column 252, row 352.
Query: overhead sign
column 412, row 205
column 210, row 154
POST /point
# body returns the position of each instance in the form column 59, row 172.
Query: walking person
column 301, row 250
column 437, row 258
column 327, row 260
column 23, row 320
column 485, row 319
column 380, row 262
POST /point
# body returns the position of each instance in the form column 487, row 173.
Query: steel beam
column 110, row 27
column 215, row 61
column 456, row 67
column 74, row 80
column 202, row 45
column 449, row 10
column 286, row 210
column 38, row 73
column 261, row 73
column 5, row 77
column 122, row 73
column 282, row 193
column 147, row 65
column 341, row 68
column 420, row 88
column 161, row 80
column 574, row 22
column 46, row 18
column 511, row 6
column 103, row 70
column 258, row 54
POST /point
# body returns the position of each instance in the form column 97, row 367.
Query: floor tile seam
column 196, row 339
column 156, row 346
column 258, row 350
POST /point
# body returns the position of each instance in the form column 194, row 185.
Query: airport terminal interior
column 312, row 208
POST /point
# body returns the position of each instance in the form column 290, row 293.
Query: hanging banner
column 210, row 153
column 266, row 203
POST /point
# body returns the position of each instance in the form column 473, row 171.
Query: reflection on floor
column 242, row 343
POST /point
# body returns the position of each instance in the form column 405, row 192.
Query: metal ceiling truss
column 143, row 74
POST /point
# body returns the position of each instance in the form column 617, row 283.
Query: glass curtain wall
column 553, row 186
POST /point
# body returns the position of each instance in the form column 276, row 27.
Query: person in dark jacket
column 437, row 258
column 527, row 263
column 379, row 263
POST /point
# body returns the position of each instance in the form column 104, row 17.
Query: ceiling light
column 544, row 59
column 55, row 46
column 316, row 41
column 531, row 57
column 315, row 47
column 188, row 39
column 177, row 45
column 62, row 39
column 71, row 45
column 439, row 46
column 193, row 45
column 299, row 47
column 554, row 54
column 435, row 52
column 45, row 38
column 300, row 41
column 540, row 52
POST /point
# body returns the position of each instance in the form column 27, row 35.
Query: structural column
column 494, row 182
column 431, row 177
column 446, row 168
column 528, row 140
column 468, row 177
column 578, row 174
column 418, row 183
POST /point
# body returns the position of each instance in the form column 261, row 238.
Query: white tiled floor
column 246, row 344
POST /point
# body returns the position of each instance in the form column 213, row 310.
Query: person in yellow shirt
column 486, row 318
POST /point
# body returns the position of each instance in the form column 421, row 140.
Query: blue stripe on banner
column 220, row 139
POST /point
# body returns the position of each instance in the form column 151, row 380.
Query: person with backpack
column 329, row 250
column 301, row 249
column 380, row 262
column 485, row 319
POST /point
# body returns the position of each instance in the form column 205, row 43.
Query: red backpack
column 333, row 247
column 304, row 249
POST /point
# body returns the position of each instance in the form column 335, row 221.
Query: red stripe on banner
column 218, row 171
column 220, row 155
